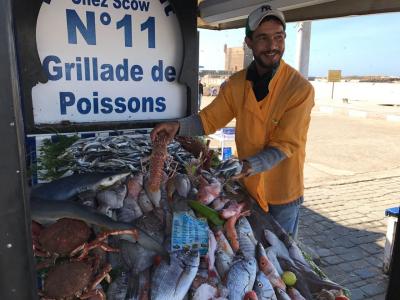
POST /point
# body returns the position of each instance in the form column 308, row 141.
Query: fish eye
column 260, row 285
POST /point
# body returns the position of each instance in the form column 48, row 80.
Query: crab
column 68, row 238
column 79, row 274
column 74, row 279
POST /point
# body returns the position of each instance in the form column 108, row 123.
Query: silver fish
column 50, row 211
column 223, row 262
column 111, row 198
column 270, row 252
column 296, row 254
column 182, row 185
column 67, row 188
column 224, row 254
column 172, row 281
column 135, row 258
column 281, row 294
column 263, row 287
column 132, row 204
column 144, row 202
column 247, row 241
column 277, row 244
column 228, row 168
column 241, row 277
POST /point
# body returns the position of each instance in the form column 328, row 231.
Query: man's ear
column 249, row 42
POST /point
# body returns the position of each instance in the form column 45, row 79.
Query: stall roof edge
column 230, row 14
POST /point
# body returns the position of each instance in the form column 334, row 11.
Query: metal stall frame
column 16, row 257
column 18, row 280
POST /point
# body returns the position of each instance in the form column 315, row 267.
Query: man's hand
column 246, row 171
column 169, row 128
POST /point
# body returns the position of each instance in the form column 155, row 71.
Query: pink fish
column 135, row 185
column 208, row 191
column 231, row 230
column 250, row 296
column 219, row 203
column 232, row 210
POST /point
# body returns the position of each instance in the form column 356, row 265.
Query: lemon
column 289, row 278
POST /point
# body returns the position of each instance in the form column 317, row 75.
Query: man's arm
column 191, row 126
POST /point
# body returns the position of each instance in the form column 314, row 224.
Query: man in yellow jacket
column 272, row 104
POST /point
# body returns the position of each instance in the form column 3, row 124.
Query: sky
column 357, row 45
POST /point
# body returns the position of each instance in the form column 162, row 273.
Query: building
column 237, row 58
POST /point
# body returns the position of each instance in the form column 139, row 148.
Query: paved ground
column 343, row 223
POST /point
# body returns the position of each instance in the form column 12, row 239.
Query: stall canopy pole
column 16, row 260
column 303, row 47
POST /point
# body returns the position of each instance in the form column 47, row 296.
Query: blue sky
column 362, row 45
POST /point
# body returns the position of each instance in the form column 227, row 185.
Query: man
column 272, row 104
column 200, row 92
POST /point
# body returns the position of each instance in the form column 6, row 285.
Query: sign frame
column 30, row 69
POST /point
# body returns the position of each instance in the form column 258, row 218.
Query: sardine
column 263, row 287
column 241, row 277
column 50, row 211
column 67, row 188
column 172, row 281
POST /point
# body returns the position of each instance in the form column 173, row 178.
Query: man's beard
column 272, row 65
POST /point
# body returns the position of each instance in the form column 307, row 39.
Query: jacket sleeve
column 219, row 112
column 290, row 134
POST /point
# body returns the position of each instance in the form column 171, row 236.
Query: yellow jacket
column 280, row 120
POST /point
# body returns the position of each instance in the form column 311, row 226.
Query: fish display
column 128, row 184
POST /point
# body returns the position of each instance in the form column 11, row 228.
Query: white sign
column 108, row 60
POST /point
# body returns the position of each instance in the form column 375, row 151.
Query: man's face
column 267, row 44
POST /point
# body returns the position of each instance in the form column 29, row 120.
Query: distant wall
column 383, row 93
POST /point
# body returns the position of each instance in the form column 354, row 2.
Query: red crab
column 67, row 237
column 74, row 279
column 78, row 276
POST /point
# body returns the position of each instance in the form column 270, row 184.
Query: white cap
column 256, row 16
